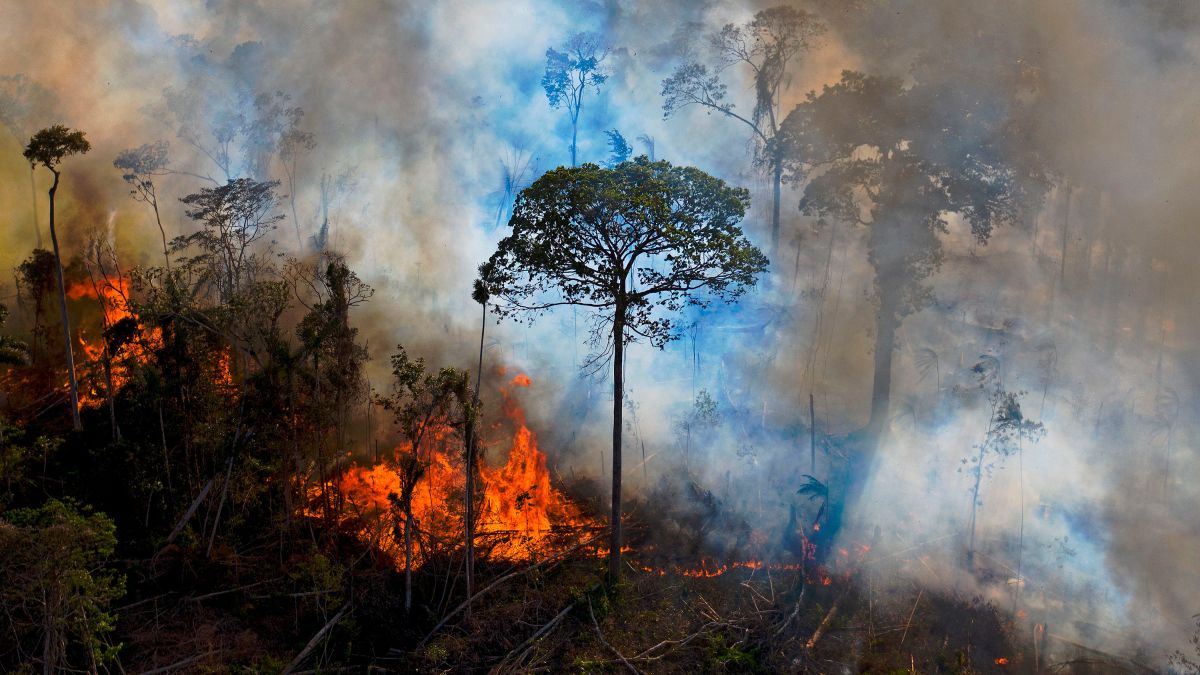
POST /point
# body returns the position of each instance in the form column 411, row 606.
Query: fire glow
column 521, row 513
column 113, row 298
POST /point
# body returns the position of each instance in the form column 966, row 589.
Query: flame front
column 113, row 297
column 520, row 510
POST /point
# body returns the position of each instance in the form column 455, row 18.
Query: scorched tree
column 635, row 243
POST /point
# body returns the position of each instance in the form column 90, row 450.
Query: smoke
column 421, row 104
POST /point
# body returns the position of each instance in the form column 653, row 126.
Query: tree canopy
column 643, row 235
column 636, row 243
column 49, row 146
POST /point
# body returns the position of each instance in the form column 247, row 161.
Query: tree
column 1007, row 430
column 55, row 586
column 13, row 352
column 898, row 161
column 139, row 167
column 635, row 243
column 48, row 147
column 568, row 75
column 36, row 279
column 766, row 46
column 618, row 148
column 420, row 401
column 233, row 216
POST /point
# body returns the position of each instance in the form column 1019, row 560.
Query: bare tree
column 568, row 75
column 765, row 46
column 140, row 166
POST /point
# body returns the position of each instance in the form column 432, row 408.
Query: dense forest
column 599, row 336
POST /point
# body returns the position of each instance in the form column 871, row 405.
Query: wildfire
column 113, row 297
column 520, row 509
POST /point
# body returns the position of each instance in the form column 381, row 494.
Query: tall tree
column 421, row 400
column 233, row 217
column 139, row 167
column 48, row 147
column 899, row 161
column 765, row 46
column 635, row 243
column 568, row 75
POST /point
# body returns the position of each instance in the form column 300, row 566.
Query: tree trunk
column 975, row 504
column 108, row 390
column 66, row 321
column 885, row 345
column 574, row 137
column 777, row 189
column 614, row 544
column 163, row 232
column 863, row 462
column 470, row 441
column 408, row 525
column 37, row 231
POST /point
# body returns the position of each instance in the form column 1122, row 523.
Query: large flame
column 521, row 512
column 113, row 298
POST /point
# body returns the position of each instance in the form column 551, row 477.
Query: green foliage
column 19, row 458
column 730, row 657
column 49, row 146
column 13, row 352
column 640, row 239
column 54, row 582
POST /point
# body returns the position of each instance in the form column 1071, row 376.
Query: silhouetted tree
column 898, row 160
column 1007, row 431
column 139, row 167
column 765, row 46
column 233, row 217
column 634, row 243
column 420, row 400
column 568, row 75
column 37, row 279
column 48, row 147
column 618, row 148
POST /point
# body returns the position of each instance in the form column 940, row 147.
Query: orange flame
column 520, row 508
column 113, row 297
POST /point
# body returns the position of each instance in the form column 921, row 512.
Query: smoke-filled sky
column 421, row 107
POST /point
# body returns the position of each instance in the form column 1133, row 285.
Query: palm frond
column 813, row 488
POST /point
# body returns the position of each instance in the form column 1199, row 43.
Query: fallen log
column 316, row 640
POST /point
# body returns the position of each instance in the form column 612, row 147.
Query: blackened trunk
column 777, row 188
column 66, row 321
column 470, row 439
column 614, row 544
column 108, row 390
column 881, row 389
column 408, row 525
column 37, row 231
column 862, row 463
